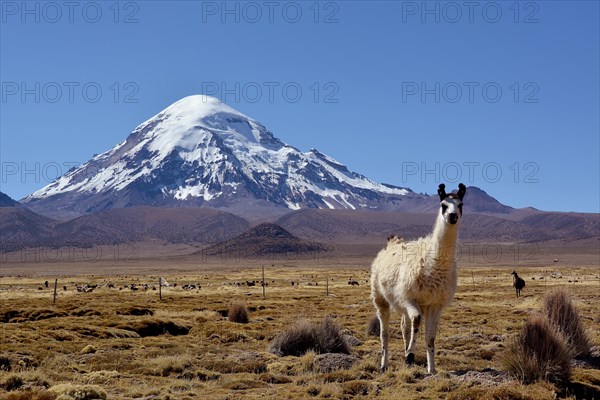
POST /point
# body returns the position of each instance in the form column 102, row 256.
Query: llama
column 418, row 279
column 518, row 282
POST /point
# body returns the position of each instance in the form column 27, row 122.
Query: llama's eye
column 444, row 208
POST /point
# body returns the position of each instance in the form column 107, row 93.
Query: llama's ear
column 462, row 189
column 442, row 191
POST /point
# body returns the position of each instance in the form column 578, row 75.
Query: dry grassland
column 117, row 343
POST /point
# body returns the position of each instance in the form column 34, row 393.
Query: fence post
column 327, row 284
column 263, row 282
column 55, row 285
column 159, row 288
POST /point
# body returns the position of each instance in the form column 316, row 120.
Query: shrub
column 373, row 327
column 357, row 388
column 155, row 327
column 166, row 365
column 101, row 377
column 303, row 336
column 206, row 375
column 538, row 352
column 12, row 382
column 79, row 392
column 238, row 313
column 5, row 364
column 563, row 315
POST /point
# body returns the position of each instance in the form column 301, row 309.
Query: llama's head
column 514, row 273
column 451, row 204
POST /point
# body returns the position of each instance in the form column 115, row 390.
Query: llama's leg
column 383, row 314
column 405, row 325
column 432, row 321
column 414, row 314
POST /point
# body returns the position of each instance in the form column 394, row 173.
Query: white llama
column 418, row 278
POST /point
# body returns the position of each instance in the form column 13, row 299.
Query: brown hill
column 357, row 226
column 21, row 228
column 265, row 240
column 175, row 225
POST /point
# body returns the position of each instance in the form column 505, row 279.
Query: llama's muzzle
column 453, row 218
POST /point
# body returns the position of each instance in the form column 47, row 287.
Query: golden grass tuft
column 563, row 315
column 538, row 352
column 167, row 365
column 79, row 392
column 238, row 313
column 89, row 349
column 101, row 377
column 357, row 388
column 304, row 336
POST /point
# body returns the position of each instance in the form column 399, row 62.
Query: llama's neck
column 444, row 240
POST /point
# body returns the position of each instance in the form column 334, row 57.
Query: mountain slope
column 265, row 240
column 21, row 228
column 201, row 152
column 342, row 226
column 6, row 201
column 175, row 225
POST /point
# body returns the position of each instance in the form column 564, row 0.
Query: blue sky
column 500, row 95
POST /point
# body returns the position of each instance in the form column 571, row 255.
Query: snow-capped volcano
column 201, row 152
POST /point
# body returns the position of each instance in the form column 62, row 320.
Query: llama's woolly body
column 427, row 271
column 418, row 279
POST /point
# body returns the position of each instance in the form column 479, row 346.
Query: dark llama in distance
column 518, row 283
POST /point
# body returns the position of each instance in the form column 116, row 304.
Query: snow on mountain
column 201, row 152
